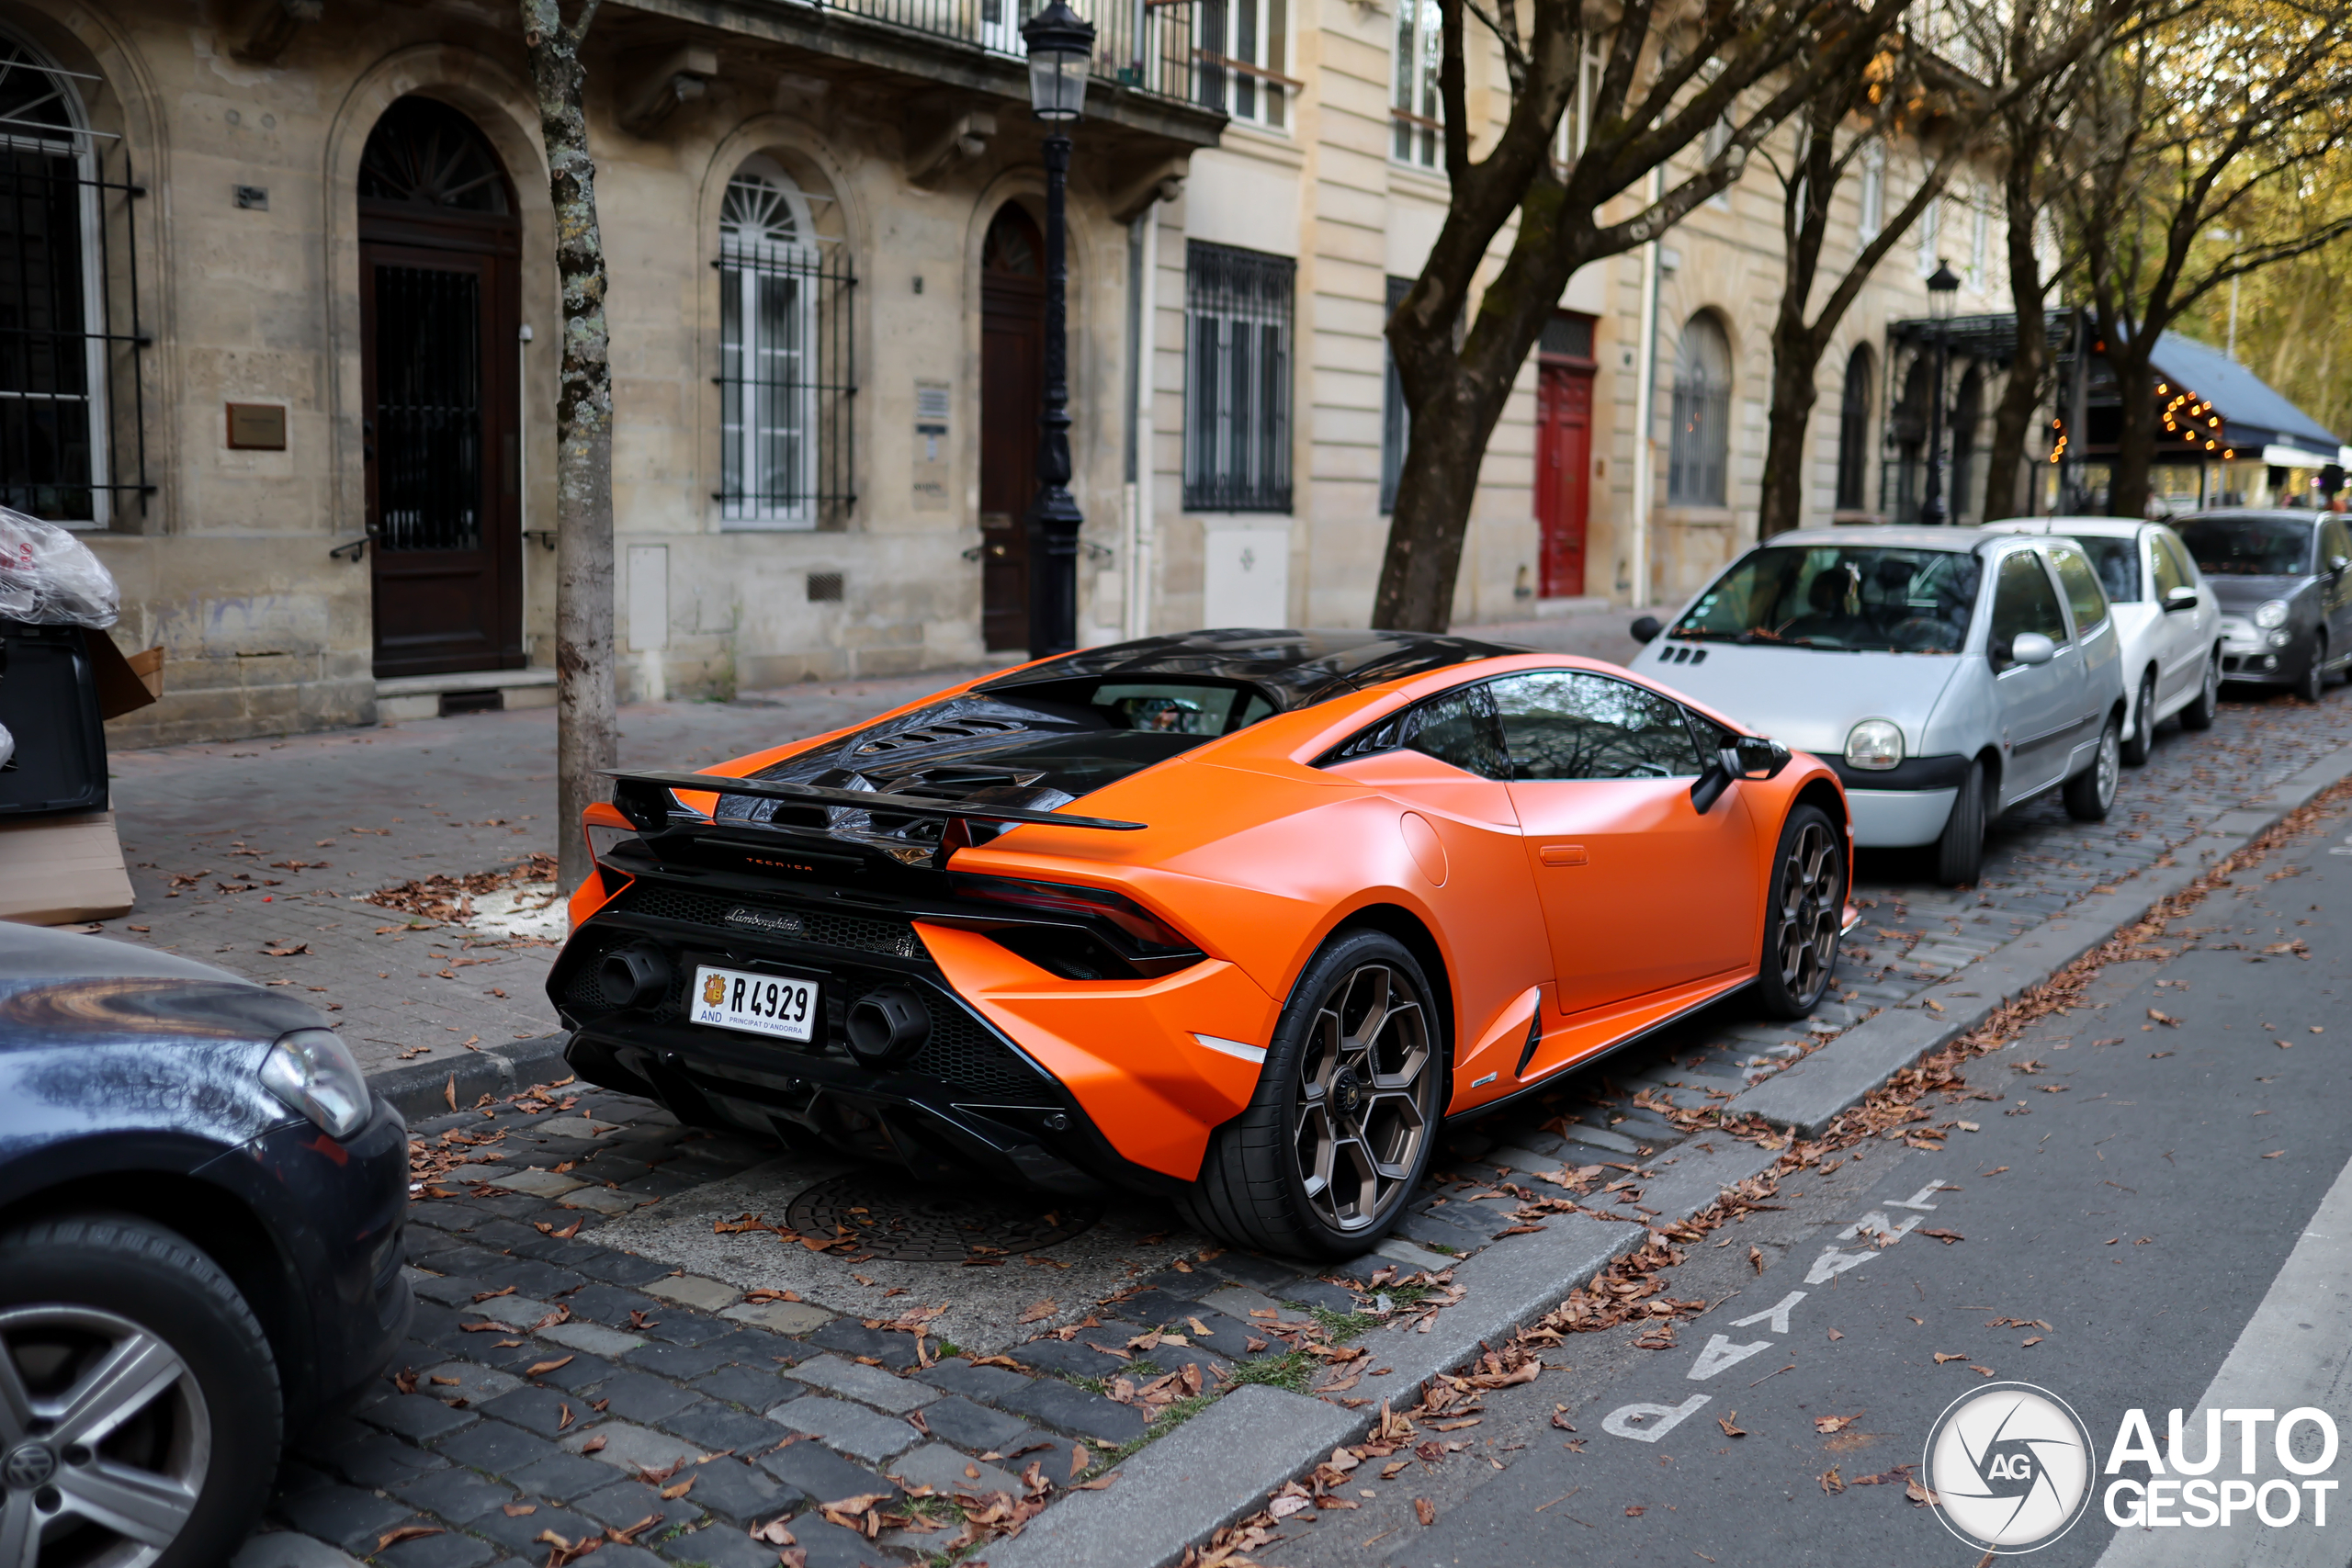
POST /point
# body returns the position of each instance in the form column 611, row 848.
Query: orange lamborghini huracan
column 1234, row 915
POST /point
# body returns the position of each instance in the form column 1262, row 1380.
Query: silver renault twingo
column 1946, row 674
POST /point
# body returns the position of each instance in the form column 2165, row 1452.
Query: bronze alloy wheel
column 1365, row 1087
column 1812, row 884
column 104, row 1439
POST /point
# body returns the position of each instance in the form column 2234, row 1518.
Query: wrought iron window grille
column 787, row 375
column 72, row 397
column 1237, row 375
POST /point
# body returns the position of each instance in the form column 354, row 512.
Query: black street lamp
column 1061, row 47
column 1942, row 289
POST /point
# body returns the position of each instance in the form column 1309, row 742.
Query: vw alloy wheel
column 104, row 1439
column 1364, row 1108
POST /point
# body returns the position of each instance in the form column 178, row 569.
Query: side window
column 1569, row 725
column 1459, row 728
column 2023, row 601
column 1456, row 728
column 2082, row 592
column 2163, row 559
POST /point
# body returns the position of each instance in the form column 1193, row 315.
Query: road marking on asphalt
column 2291, row 1354
column 1625, row 1421
column 1877, row 1223
column 1721, row 1353
column 1778, row 1315
column 1919, row 1200
column 1832, row 1263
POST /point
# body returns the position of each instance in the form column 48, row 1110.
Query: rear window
column 2248, row 546
column 2117, row 561
column 1865, row 598
column 1162, row 705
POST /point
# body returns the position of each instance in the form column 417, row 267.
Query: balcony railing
column 1143, row 45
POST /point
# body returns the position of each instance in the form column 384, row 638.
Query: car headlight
column 2272, row 614
column 1875, row 744
column 313, row 1071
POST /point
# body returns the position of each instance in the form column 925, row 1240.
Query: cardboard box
column 61, row 871
column 126, row 681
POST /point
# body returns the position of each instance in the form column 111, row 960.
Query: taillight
column 1145, row 934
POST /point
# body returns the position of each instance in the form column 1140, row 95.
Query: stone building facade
column 286, row 316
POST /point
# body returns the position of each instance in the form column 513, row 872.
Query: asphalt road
column 2140, row 1226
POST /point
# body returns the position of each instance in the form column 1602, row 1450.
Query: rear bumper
column 1062, row 1085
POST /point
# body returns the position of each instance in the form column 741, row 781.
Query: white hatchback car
column 1945, row 673
column 2165, row 613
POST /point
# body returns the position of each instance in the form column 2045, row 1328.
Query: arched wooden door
column 1563, row 452
column 440, row 300
column 1012, row 391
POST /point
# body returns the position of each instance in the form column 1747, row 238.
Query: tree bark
column 2013, row 418
column 1797, row 367
column 2135, row 435
column 587, row 735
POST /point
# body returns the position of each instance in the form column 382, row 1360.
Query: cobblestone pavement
column 640, row 1310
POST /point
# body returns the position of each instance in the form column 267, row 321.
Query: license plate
column 775, row 1005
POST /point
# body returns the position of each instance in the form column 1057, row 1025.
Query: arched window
column 53, row 343
column 768, row 273
column 1854, row 431
column 1699, row 452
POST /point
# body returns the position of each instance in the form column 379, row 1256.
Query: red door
column 1562, row 473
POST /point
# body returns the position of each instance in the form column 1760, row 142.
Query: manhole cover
column 900, row 1218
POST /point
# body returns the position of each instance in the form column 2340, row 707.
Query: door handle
column 1561, row 854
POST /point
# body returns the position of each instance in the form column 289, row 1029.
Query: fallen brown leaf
column 406, row 1532
column 1725, row 1421
column 1425, row 1510
column 540, row 1369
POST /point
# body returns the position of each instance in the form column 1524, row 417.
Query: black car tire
column 2090, row 793
column 2200, row 713
column 1254, row 1189
column 2142, row 738
column 1805, row 910
column 1960, row 850
column 2314, row 685
column 105, row 1287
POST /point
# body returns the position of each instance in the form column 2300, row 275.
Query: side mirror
column 1646, row 627
column 2181, row 598
column 1710, row 785
column 2031, row 647
column 1758, row 758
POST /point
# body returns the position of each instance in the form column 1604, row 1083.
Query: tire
column 2142, row 738
column 2091, row 793
column 200, row 1427
column 2198, row 713
column 1325, row 1159
column 1803, row 915
column 2314, row 685
column 1959, row 850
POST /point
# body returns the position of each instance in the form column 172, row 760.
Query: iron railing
column 428, row 424
column 73, row 401
column 1236, row 375
column 787, row 380
column 1146, row 45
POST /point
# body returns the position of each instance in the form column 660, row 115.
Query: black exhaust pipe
column 888, row 1025
column 634, row 976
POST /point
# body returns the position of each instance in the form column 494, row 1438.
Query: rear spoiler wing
column 626, row 784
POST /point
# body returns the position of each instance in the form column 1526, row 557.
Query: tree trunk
column 1796, row 369
column 1435, row 492
column 2013, row 418
column 2135, row 437
column 587, row 738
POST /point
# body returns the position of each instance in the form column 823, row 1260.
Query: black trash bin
column 48, row 701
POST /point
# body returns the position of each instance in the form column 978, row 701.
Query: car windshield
column 1849, row 597
column 2248, row 546
column 2117, row 562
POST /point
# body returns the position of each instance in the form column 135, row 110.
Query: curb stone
column 418, row 1089
column 1166, row 1509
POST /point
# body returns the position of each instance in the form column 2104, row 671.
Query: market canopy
column 2255, row 415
